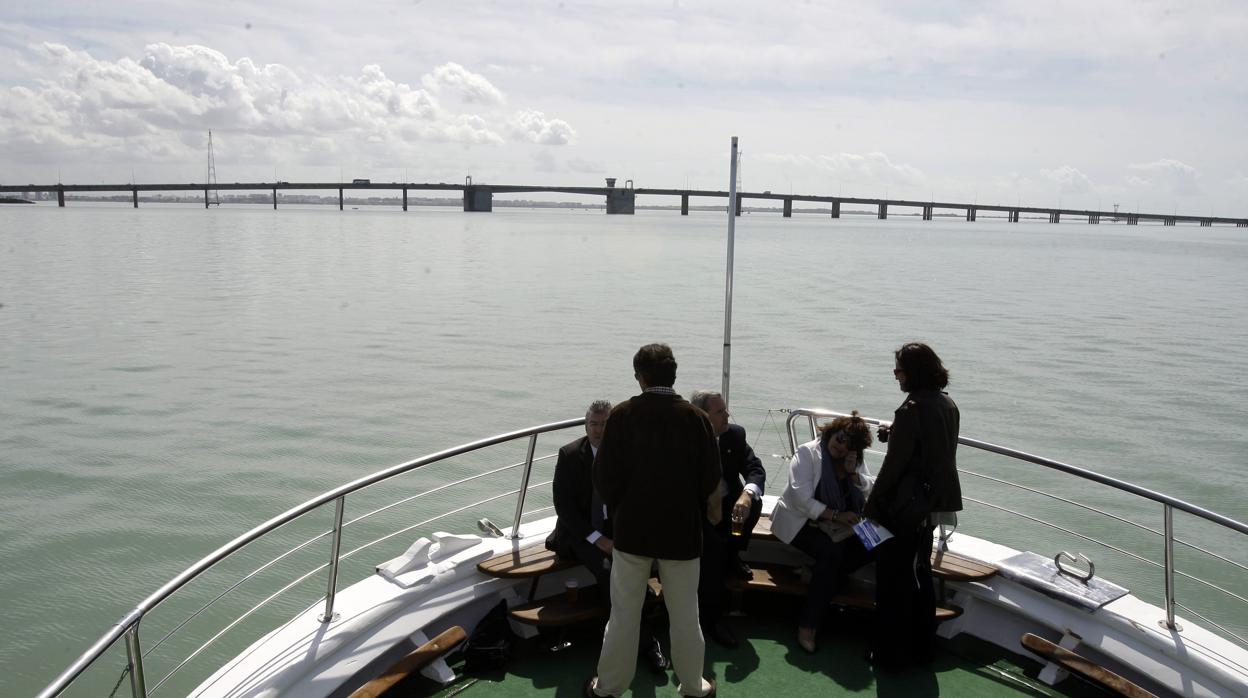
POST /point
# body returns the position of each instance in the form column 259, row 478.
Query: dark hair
column 655, row 365
column 923, row 368
column 854, row 427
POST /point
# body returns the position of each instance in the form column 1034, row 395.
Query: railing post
column 1169, row 525
column 138, row 687
column 329, row 616
column 524, row 488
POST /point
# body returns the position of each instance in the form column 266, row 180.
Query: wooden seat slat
column 559, row 610
column 416, row 660
column 533, row 561
column 1084, row 667
column 782, row 579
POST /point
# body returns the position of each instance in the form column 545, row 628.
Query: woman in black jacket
column 918, row 480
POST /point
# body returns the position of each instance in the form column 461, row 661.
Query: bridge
column 622, row 200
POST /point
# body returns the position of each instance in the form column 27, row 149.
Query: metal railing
column 1169, row 504
column 128, row 626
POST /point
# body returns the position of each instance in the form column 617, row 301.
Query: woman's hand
column 847, row 518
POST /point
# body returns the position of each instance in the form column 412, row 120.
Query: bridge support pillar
column 1242, row 224
column 1169, row 221
column 1093, row 219
column 883, row 211
column 134, row 196
column 738, row 204
column 340, row 197
column 205, row 197
column 836, row 209
column 684, row 204
column 404, row 198
column 1206, row 223
column 478, row 199
column 1055, row 217
column 1012, row 216
column 60, row 198
column 621, row 201
column 788, row 208
column 927, row 213
column 970, row 214
column 274, row 198
column 1133, row 220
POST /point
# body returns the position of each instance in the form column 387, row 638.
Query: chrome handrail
column 128, row 624
column 1169, row 504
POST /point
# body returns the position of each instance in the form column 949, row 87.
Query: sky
column 1054, row 103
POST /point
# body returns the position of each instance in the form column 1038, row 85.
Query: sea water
column 172, row 376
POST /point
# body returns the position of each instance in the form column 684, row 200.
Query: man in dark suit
column 583, row 527
column 741, row 498
column 656, row 467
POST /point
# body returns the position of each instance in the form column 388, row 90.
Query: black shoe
column 721, row 634
column 655, row 659
column 740, row 570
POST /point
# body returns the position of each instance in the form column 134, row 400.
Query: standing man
column 656, row 467
column 920, row 466
column 741, row 498
column 583, row 528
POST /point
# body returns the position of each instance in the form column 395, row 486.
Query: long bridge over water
column 622, row 200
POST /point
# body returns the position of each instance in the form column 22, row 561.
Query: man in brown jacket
column 657, row 465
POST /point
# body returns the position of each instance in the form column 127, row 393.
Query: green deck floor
column 768, row 662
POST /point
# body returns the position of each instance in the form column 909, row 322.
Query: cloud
column 473, row 88
column 534, row 127
column 159, row 106
column 1069, row 180
column 1167, row 175
column 873, row 167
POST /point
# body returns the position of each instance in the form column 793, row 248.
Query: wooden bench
column 416, row 660
column 946, row 566
column 1084, row 668
column 554, row 611
column 784, row 579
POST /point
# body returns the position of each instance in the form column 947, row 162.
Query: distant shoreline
column 11, row 200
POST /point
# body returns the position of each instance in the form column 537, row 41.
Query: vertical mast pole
column 732, row 230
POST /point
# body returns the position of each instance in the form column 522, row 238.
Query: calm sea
column 171, row 376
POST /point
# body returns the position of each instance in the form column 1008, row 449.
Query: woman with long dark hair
column 917, row 487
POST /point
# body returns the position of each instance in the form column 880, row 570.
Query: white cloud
column 473, row 88
column 159, row 106
column 586, row 166
column 1069, row 179
column 1167, row 175
column 534, row 127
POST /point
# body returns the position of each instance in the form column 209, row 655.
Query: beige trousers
column 618, row 662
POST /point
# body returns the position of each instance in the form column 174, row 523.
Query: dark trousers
column 589, row 555
column 904, row 599
column 721, row 550
column 833, row 562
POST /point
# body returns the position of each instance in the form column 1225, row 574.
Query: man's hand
column 604, row 544
column 741, row 509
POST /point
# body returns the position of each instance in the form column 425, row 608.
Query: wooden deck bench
column 784, row 579
column 1084, row 668
column 416, row 660
column 553, row 611
column 946, row 566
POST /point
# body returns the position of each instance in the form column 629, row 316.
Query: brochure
column 871, row 533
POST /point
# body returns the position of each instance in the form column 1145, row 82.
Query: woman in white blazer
column 828, row 485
